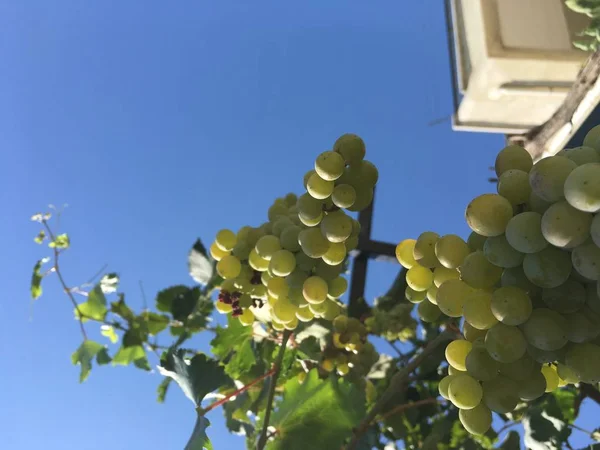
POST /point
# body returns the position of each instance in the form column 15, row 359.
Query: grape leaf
column 84, row 356
column 305, row 408
column 95, row 306
column 132, row 354
column 196, row 378
column 109, row 283
column 180, row 301
column 544, row 425
column 199, row 440
column 233, row 345
column 103, row 357
column 109, row 332
column 200, row 267
column 162, row 389
column 155, row 323
column 120, row 308
column 61, row 241
column 36, row 280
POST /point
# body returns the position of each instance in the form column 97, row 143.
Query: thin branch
column 405, row 406
column 396, row 349
column 262, row 440
column 97, row 274
column 63, row 283
column 506, row 427
column 397, row 383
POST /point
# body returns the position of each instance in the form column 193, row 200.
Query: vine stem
column 405, row 406
column 238, row 392
column 262, row 440
column 63, row 283
column 397, row 383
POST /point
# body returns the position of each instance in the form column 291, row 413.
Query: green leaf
column 61, row 241
column 544, row 425
column 134, row 354
column 180, row 301
column 199, row 440
column 162, row 389
column 316, row 414
column 200, row 267
column 121, row 309
column 40, row 237
column 155, row 323
column 95, row 306
column 103, row 357
column 109, row 332
column 84, row 356
column 109, row 283
column 196, row 378
column 36, row 280
column 565, row 400
column 233, row 345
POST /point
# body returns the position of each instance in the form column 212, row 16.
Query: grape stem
column 397, row 383
column 262, row 440
column 405, row 406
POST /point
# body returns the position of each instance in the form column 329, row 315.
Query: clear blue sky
column 159, row 122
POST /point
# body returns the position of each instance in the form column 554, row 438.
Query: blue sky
column 159, row 122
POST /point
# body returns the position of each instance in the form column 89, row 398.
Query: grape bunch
column 525, row 283
column 289, row 269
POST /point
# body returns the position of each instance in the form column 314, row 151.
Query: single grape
column 489, row 214
column 505, row 343
column 478, row 272
column 475, row 242
column 548, row 268
column 327, row 271
column 465, row 392
column 313, row 243
column 280, row 224
column 319, row 188
column 428, row 312
column 315, row 290
column 455, row 371
column 533, row 387
column 581, row 327
column 337, row 287
column 450, row 297
column 582, row 188
column 511, row 305
column 513, row 157
column 309, row 207
column 515, row 276
column 442, row 274
column 547, row 177
column 276, row 210
column 566, row 298
column 444, row 384
column 519, row 370
column 586, row 260
column 424, row 249
column 500, row 253
column 361, row 174
column 551, row 377
column 343, row 196
column 581, row 155
column 351, row 147
column 364, row 197
column 305, row 262
column 289, row 238
column 223, row 308
column 451, row 250
column 242, row 250
column 477, row 420
column 524, row 233
column 267, row 245
column 296, row 279
column 538, row 204
column 336, row 226
column 545, row 329
column 564, row 226
column 500, row 394
column 330, row 165
column 282, row 263
column 277, row 288
column 216, row 252
column 432, row 294
column 584, row 360
column 567, row 374
column 246, row 318
column 513, row 185
column 404, row 253
column 592, row 300
column 480, row 365
column 284, row 311
column 332, row 309
column 336, row 254
column 477, row 310
column 419, row 278
column 591, row 139
column 259, row 291
column 414, row 296
column 472, row 334
column 229, row 267
column 456, row 353
column 351, row 243
column 226, row 240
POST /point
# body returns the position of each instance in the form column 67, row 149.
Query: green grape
column 332, row 310
column 477, row 310
column 419, row 278
column 229, row 267
column 340, row 324
column 489, row 214
column 515, row 276
column 551, row 377
column 305, row 262
column 591, row 138
column 471, row 333
column 547, row 356
column 284, row 311
column 276, row 210
column 414, row 296
column 476, row 242
column 291, row 325
column 513, row 185
column 267, row 245
column 444, row 384
column 278, row 326
column 513, row 157
column 364, row 197
column 511, row 305
column 336, row 226
column 505, row 343
column 586, row 260
column 465, row 392
column 450, row 297
column 289, row 238
column 532, row 387
column 216, row 252
column 330, row 165
column 307, row 175
column 290, row 199
column 309, row 207
column 336, row 254
column 327, row 271
column 280, row 224
column 538, row 204
column 226, row 240
column 584, row 361
column 455, row 371
column 362, row 174
column 500, row 394
column 519, row 370
column 277, row 288
column 424, row 249
column 315, row 290
column 296, row 279
column 246, row 318
column 456, row 353
column 567, row 374
column 500, row 253
column 319, row 188
column 478, row 272
column 564, row 226
column 545, row 329
column 442, row 274
column 548, row 268
column 581, row 155
column 582, row 188
column 581, row 327
column 428, row 312
column 337, row 287
column 451, row 250
column 259, row 291
column 548, row 176
column 313, row 243
column 404, row 253
column 223, row 308
column 343, row 196
column 351, row 147
column 480, row 365
column 282, row 263
column 351, row 243
column 310, row 222
column 566, row 298
column 432, row 294
column 592, row 300
column 524, row 233
column 477, row 420
column 242, row 251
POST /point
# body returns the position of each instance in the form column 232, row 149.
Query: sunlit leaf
column 109, row 332
column 36, row 280
column 199, row 440
column 95, row 306
column 84, row 356
column 61, row 241
column 40, row 237
column 134, row 354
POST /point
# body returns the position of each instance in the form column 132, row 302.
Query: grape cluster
column 526, row 283
column 395, row 323
column 292, row 264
